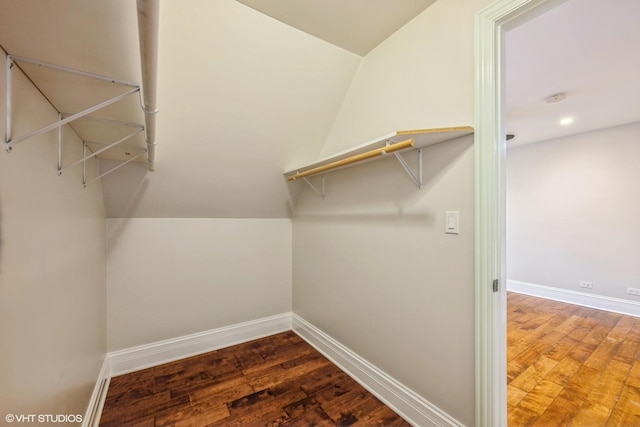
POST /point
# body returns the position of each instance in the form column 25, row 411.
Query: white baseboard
column 616, row 305
column 413, row 408
column 145, row 356
column 96, row 402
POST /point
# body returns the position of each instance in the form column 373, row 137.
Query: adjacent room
column 572, row 239
column 270, row 202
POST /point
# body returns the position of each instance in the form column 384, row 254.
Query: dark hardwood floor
column 274, row 381
column 571, row 366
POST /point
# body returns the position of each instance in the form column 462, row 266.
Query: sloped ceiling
column 241, row 97
column 92, row 36
column 355, row 25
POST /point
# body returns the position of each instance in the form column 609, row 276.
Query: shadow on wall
column 295, row 190
column 397, row 218
column 129, row 193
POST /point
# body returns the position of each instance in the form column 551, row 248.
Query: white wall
column 372, row 265
column 52, row 269
column 420, row 77
column 572, row 212
column 173, row 277
column 374, row 269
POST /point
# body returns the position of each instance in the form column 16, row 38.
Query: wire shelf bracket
column 101, row 150
column 65, row 118
column 141, row 151
column 319, row 193
column 416, row 178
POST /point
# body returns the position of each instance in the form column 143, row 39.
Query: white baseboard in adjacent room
column 145, row 356
column 616, row 305
column 408, row 404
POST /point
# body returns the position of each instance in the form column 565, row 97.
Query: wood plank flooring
column 275, row 381
column 571, row 366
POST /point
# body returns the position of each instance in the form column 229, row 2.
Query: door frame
column 490, row 193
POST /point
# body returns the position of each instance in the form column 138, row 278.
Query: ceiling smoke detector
column 556, row 97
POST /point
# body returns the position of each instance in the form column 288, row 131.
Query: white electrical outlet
column 587, row 285
column 633, row 291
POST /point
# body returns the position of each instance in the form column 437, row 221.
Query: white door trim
column 489, row 152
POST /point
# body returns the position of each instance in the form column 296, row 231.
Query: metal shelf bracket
column 95, row 153
column 416, row 178
column 8, row 138
column 319, row 193
column 84, row 177
column 65, row 118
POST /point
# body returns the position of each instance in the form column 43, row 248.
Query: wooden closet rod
column 354, row 159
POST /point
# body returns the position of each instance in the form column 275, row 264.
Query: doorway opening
column 491, row 129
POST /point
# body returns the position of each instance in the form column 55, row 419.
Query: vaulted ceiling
column 242, row 96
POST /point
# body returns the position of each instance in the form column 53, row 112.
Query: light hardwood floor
column 274, row 381
column 571, row 366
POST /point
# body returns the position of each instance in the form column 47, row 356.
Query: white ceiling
column 355, row 25
column 588, row 49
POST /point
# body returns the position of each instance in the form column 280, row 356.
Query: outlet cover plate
column 587, row 285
